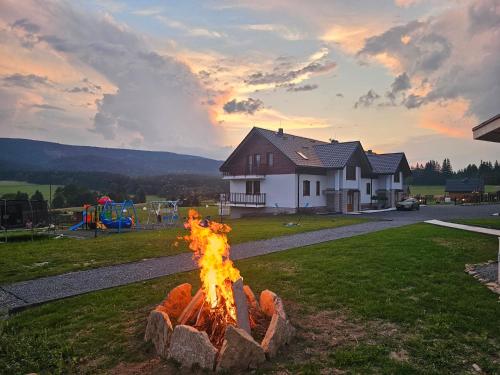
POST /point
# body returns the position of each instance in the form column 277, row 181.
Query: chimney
column 333, row 140
column 280, row 132
column 370, row 152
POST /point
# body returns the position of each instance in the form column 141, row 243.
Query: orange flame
column 209, row 242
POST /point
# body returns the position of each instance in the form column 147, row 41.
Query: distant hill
column 25, row 154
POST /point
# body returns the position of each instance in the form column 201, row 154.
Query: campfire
column 221, row 325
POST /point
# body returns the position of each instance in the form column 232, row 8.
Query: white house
column 278, row 172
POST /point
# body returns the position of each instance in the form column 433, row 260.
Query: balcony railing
column 247, row 199
column 253, row 170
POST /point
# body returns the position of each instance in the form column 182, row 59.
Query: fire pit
column 221, row 325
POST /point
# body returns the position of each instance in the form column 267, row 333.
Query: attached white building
column 278, row 172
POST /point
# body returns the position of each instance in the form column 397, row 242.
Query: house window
column 257, row 160
column 256, row 187
column 306, row 188
column 252, row 187
column 249, row 187
column 318, row 188
column 270, row 159
column 250, row 161
column 396, row 177
column 368, row 188
column 301, row 154
column 351, row 172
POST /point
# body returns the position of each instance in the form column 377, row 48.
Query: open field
column 396, row 301
column 28, row 260
column 439, row 190
column 25, row 187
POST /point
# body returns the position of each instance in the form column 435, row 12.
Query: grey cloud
column 483, row 15
column 47, row 106
column 248, row 106
column 279, row 77
column 450, row 76
column 367, row 99
column 78, row 90
column 307, row 87
column 29, row 32
column 424, row 53
column 156, row 95
column 27, row 81
column 401, row 83
column 26, row 25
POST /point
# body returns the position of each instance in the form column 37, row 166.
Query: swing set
column 163, row 213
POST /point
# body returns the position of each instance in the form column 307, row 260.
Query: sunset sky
column 195, row 76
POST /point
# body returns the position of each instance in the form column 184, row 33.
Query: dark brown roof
column 291, row 145
column 465, row 185
column 336, row 155
column 307, row 152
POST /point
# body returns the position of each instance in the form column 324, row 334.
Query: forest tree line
column 434, row 173
column 78, row 188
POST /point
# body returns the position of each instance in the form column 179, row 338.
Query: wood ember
column 191, row 310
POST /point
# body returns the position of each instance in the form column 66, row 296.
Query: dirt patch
column 153, row 366
column 319, row 333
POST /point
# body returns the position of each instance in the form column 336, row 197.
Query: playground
column 108, row 216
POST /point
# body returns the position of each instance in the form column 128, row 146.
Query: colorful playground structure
column 108, row 214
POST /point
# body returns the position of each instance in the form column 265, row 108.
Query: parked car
column 408, row 204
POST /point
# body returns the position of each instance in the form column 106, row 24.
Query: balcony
column 247, row 200
column 255, row 172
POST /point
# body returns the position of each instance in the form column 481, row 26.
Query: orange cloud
column 450, row 118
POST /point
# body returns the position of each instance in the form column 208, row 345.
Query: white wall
column 313, row 199
column 398, row 185
column 280, row 189
column 351, row 184
column 237, row 186
column 366, row 198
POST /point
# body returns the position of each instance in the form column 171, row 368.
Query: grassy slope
column 25, row 187
column 26, row 260
column 439, row 190
column 410, row 278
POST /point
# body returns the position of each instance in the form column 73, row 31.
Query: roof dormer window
column 302, row 155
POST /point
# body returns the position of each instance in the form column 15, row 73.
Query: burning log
column 191, row 310
column 240, row 301
column 177, row 300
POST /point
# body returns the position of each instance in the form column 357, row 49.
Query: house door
column 350, row 200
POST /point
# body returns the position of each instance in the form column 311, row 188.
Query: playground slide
column 76, row 226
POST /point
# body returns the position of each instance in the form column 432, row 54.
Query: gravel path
column 23, row 294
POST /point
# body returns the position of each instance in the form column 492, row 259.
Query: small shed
column 17, row 213
column 465, row 189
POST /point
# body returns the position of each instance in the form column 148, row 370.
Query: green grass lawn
column 353, row 302
column 25, row 187
column 491, row 223
column 28, row 260
column 439, row 190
